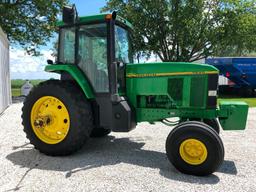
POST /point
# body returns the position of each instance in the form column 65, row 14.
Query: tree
column 189, row 30
column 30, row 23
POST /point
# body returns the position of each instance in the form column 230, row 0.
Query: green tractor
column 101, row 90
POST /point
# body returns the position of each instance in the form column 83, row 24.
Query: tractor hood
column 168, row 69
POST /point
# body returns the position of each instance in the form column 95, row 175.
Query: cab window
column 92, row 55
column 67, row 45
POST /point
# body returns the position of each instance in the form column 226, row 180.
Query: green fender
column 76, row 73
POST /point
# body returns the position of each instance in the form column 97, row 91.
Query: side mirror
column 49, row 61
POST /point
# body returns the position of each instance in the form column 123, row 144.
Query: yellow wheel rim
column 50, row 120
column 193, row 151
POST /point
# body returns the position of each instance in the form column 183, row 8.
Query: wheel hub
column 193, row 151
column 42, row 121
column 50, row 119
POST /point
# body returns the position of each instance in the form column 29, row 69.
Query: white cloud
column 153, row 59
column 26, row 66
column 21, row 62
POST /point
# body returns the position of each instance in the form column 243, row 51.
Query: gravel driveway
column 134, row 161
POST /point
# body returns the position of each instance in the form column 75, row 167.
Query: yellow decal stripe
column 133, row 75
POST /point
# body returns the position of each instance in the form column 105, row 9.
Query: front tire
column 195, row 149
column 213, row 123
column 57, row 118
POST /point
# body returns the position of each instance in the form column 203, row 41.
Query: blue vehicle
column 240, row 70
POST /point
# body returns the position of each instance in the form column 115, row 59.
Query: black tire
column 80, row 113
column 213, row 123
column 201, row 132
column 99, row 132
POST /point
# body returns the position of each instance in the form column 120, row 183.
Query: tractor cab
column 100, row 46
column 94, row 43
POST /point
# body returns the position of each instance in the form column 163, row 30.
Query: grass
column 15, row 92
column 17, row 83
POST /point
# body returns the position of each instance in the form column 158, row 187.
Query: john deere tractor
column 101, row 90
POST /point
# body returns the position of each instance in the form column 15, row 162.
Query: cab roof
column 97, row 18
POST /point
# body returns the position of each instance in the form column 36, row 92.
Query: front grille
column 175, row 89
column 193, row 91
column 197, row 91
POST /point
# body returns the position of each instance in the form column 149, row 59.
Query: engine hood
column 168, row 69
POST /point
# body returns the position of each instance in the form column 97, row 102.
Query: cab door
column 92, row 55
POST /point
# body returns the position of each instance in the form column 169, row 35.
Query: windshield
column 123, row 46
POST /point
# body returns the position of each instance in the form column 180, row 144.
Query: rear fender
column 77, row 74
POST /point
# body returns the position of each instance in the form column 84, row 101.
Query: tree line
column 174, row 30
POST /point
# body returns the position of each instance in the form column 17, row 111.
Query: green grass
column 15, row 92
column 17, row 83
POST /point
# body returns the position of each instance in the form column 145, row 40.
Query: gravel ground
column 134, row 161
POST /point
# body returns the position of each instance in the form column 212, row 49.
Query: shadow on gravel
column 110, row 151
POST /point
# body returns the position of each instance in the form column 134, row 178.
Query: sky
column 23, row 66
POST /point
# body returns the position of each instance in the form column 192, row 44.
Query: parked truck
column 241, row 71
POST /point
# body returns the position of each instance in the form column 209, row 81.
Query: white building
column 5, row 82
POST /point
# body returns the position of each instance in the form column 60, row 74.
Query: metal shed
column 5, row 82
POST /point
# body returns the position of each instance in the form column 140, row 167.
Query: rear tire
column 99, row 132
column 79, row 115
column 211, row 149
